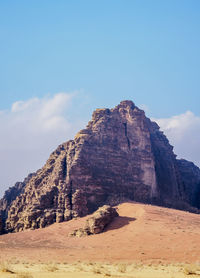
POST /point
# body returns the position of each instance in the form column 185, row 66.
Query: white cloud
column 183, row 132
column 31, row 130
column 23, row 105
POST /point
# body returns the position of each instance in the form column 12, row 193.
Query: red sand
column 141, row 233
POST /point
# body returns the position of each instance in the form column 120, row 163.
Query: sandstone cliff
column 190, row 175
column 120, row 155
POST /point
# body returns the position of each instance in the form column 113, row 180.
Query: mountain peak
column 121, row 155
column 126, row 104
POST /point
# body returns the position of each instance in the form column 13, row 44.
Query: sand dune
column 151, row 241
column 140, row 233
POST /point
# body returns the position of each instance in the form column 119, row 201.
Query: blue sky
column 101, row 52
column 147, row 51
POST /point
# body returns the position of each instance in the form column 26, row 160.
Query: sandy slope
column 142, row 233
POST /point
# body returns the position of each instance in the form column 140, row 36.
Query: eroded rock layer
column 120, row 155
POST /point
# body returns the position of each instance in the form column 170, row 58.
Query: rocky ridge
column 120, row 155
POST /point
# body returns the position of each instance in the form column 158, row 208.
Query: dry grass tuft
column 97, row 270
column 79, row 267
column 106, row 273
column 50, row 267
column 24, row 275
column 192, row 269
column 5, row 267
column 122, row 268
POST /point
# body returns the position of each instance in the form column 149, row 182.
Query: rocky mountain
column 120, row 155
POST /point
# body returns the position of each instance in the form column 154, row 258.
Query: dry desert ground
column 144, row 241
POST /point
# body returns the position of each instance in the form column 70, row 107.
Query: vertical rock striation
column 120, row 155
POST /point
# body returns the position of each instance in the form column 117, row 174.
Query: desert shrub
column 97, row 269
column 106, row 273
column 51, row 267
column 24, row 275
column 90, row 263
column 122, row 268
column 5, row 267
column 79, row 267
column 191, row 269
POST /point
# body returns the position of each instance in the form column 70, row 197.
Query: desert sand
column 144, row 241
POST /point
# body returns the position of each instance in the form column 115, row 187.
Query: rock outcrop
column 190, row 175
column 97, row 222
column 9, row 196
column 120, row 155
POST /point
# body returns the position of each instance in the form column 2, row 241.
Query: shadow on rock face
column 119, row 222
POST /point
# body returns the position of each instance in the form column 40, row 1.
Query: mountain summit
column 120, row 155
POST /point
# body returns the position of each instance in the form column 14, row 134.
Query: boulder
column 97, row 222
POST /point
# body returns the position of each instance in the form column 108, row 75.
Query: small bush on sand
column 106, row 273
column 79, row 267
column 51, row 267
column 5, row 267
column 24, row 275
column 122, row 268
column 97, row 270
column 192, row 269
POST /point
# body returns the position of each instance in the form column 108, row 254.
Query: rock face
column 120, row 155
column 1, row 226
column 97, row 222
column 9, row 196
column 191, row 181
